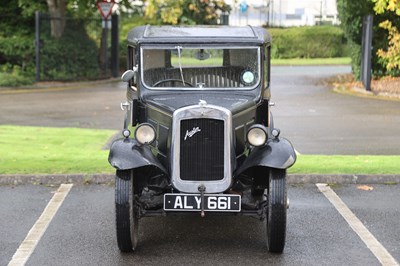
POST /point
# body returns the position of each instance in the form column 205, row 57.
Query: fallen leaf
column 365, row 187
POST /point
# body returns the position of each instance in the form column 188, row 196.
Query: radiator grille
column 202, row 149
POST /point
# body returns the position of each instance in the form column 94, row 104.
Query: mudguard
column 276, row 153
column 129, row 154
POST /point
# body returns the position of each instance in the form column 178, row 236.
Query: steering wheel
column 171, row 80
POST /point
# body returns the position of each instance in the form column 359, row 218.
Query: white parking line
column 27, row 246
column 372, row 243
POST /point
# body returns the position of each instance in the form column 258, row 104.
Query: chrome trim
column 194, row 112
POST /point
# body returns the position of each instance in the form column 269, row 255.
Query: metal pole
column 366, row 57
column 106, row 46
column 37, row 45
column 114, row 46
column 363, row 47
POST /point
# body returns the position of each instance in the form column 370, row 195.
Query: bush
column 71, row 57
column 351, row 13
column 14, row 79
column 17, row 50
column 17, row 54
column 308, row 42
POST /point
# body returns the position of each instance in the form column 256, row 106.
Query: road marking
column 372, row 243
column 27, row 246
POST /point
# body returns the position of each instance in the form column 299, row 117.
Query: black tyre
column 276, row 211
column 126, row 217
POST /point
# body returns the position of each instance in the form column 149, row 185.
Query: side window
column 131, row 62
column 131, row 57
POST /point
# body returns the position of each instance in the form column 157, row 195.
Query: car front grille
column 202, row 149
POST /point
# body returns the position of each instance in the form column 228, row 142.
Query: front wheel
column 126, row 216
column 276, row 211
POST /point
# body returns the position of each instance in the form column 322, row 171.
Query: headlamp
column 257, row 135
column 145, row 133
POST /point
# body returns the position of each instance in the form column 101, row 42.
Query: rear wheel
column 126, row 216
column 276, row 211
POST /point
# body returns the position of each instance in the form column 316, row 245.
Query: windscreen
column 200, row 68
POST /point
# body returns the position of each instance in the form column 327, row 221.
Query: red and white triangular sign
column 105, row 8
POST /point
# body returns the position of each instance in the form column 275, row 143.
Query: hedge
column 308, row 42
column 71, row 57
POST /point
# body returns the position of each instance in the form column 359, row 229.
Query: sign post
column 105, row 8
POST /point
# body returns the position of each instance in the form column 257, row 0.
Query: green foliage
column 381, row 6
column 391, row 56
column 71, row 57
column 74, row 56
column 17, row 50
column 14, row 79
column 202, row 12
column 308, row 42
column 16, row 42
column 29, row 7
column 351, row 13
column 78, row 9
column 13, row 20
column 185, row 11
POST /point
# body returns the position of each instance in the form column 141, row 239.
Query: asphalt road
column 315, row 119
column 82, row 231
column 319, row 121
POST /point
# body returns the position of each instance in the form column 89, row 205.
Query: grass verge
column 42, row 150
column 346, row 164
column 311, row 61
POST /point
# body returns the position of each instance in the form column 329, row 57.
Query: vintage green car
column 199, row 136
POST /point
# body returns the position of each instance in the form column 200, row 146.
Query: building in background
column 283, row 13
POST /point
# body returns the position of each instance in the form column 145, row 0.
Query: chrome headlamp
column 145, row 133
column 257, row 135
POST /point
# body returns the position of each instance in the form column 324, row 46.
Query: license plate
column 192, row 202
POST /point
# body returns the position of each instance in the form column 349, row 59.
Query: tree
column 392, row 55
column 58, row 10
column 351, row 13
column 186, row 11
column 16, row 51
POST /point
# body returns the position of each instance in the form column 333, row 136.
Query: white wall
column 283, row 13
